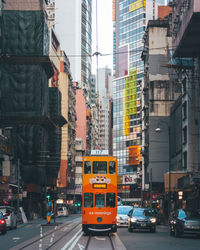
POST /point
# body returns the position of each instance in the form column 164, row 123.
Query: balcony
column 186, row 28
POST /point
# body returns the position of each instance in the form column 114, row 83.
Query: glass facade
column 86, row 40
column 130, row 20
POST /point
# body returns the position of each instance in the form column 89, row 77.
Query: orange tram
column 99, row 208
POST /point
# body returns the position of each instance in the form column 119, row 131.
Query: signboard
column 129, row 179
column 6, row 168
column 137, row 5
column 99, row 152
column 100, row 185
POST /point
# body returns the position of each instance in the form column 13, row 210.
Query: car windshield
column 138, row 212
column 123, row 210
column 60, row 209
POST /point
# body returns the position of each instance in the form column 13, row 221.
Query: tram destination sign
column 99, row 185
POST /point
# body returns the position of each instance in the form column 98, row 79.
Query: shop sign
column 129, row 179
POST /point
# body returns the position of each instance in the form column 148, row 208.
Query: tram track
column 48, row 234
column 87, row 247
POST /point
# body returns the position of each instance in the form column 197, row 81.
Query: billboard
column 129, row 100
column 137, row 5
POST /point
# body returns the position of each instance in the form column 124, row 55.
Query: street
column 67, row 234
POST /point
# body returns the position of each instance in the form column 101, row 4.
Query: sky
column 105, row 34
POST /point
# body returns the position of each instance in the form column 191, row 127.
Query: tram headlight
column 133, row 219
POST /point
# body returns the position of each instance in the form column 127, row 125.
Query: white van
column 62, row 211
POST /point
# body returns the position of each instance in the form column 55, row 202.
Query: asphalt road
column 68, row 235
column 161, row 240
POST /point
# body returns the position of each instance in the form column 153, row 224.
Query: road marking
column 81, row 247
column 74, row 243
column 16, row 238
column 97, row 238
column 41, row 234
column 69, row 242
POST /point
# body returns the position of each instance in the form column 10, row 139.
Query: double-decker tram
column 99, row 208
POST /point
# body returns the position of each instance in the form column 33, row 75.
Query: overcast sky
column 105, row 33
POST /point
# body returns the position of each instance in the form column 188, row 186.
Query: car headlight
column 153, row 220
column 133, row 219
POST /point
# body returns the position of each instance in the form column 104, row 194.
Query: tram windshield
column 99, row 167
column 99, row 200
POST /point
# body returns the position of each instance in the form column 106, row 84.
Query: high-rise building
column 73, row 23
column 129, row 21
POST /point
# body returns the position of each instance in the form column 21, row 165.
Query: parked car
column 185, row 221
column 10, row 216
column 122, row 215
column 2, row 224
column 141, row 218
column 62, row 211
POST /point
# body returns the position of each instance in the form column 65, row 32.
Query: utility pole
column 18, row 183
column 150, row 188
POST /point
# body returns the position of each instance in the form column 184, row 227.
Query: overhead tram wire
column 7, row 56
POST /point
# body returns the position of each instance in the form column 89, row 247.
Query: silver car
column 122, row 215
column 9, row 216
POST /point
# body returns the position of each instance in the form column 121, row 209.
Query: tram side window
column 99, row 167
column 110, row 200
column 88, row 200
column 112, row 167
column 99, row 200
column 87, row 167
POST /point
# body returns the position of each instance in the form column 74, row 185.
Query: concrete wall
column 158, row 148
column 81, row 116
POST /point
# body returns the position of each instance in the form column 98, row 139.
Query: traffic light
column 48, row 195
column 78, row 204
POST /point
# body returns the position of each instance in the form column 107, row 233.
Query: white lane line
column 81, row 247
column 69, row 242
column 41, row 235
column 52, row 236
column 74, row 243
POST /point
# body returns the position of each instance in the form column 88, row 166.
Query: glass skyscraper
column 130, row 18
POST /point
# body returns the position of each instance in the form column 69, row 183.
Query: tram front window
column 99, row 167
column 88, row 200
column 110, row 200
column 99, row 200
column 87, row 167
column 111, row 167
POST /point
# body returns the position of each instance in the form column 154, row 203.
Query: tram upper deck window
column 87, row 167
column 110, row 200
column 88, row 200
column 99, row 200
column 99, row 167
column 112, row 167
